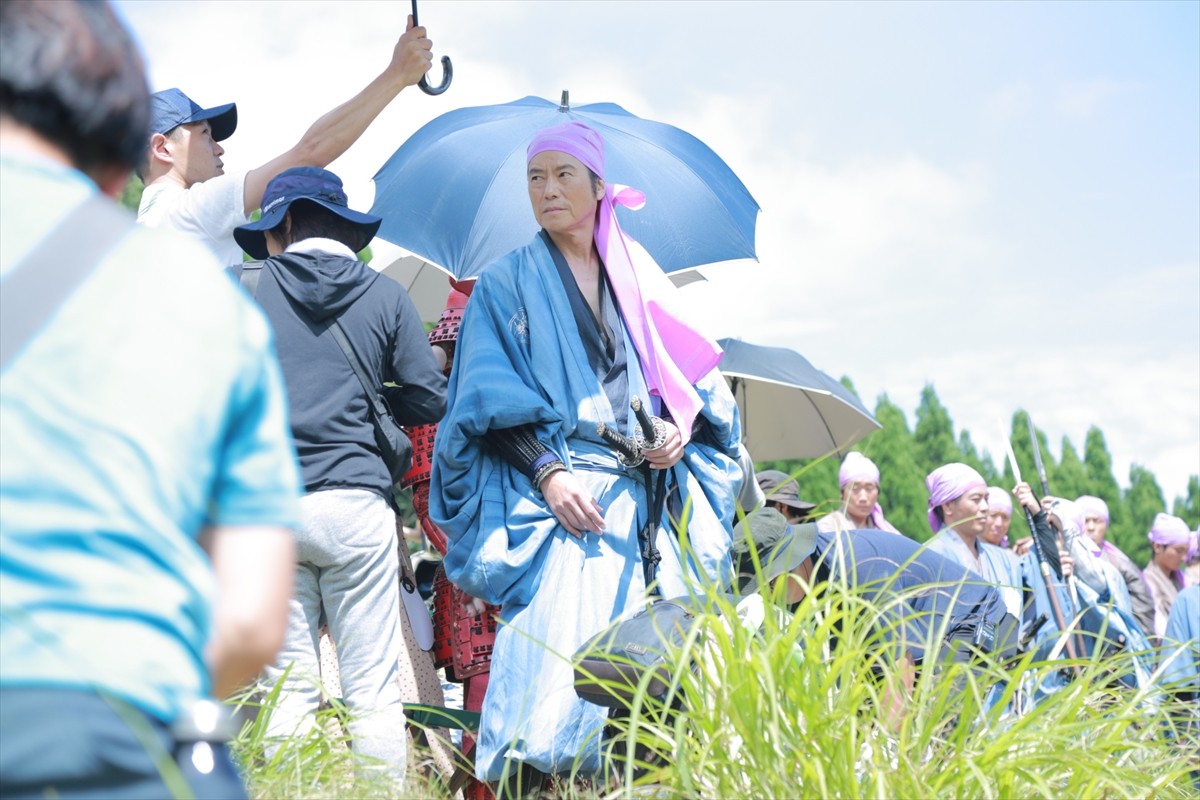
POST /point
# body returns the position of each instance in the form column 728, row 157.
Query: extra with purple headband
column 1169, row 530
column 947, row 483
column 673, row 354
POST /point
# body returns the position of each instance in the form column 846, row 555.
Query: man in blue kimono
column 958, row 514
column 541, row 516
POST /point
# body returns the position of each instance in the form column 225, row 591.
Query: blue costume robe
column 1181, row 642
column 520, row 360
column 999, row 567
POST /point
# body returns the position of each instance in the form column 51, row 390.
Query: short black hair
column 71, row 72
column 310, row 220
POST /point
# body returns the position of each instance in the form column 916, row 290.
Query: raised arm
column 334, row 133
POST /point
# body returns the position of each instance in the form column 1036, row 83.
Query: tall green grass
column 777, row 711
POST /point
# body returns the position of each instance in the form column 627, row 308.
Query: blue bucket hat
column 313, row 184
column 171, row 108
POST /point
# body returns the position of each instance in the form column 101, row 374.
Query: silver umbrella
column 790, row 409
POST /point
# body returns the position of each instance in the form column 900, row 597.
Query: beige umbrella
column 427, row 285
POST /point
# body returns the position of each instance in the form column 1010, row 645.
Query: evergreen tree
column 1098, row 464
column 901, row 481
column 981, row 464
column 1022, row 447
column 1070, row 479
column 933, row 434
column 1188, row 508
column 1143, row 500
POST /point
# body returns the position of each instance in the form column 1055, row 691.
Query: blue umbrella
column 790, row 409
column 455, row 192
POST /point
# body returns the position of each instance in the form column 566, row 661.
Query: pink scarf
column 673, row 354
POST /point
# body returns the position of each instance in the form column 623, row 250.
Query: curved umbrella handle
column 447, row 67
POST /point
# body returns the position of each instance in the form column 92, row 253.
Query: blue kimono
column 996, row 565
column 1180, row 656
column 521, row 359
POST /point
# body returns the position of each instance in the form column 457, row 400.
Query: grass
column 778, row 713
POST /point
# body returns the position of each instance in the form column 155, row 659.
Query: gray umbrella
column 790, row 409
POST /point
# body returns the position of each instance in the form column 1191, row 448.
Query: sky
column 998, row 198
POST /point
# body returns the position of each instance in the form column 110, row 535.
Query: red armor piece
column 463, row 640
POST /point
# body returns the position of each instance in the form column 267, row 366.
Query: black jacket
column 301, row 294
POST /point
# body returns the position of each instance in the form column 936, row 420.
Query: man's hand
column 572, row 504
column 1068, row 563
column 1024, row 495
column 412, row 56
column 670, row 452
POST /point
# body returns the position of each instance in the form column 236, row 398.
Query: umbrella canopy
column 455, row 192
column 428, row 285
column 790, row 409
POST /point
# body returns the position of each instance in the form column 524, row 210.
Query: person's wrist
column 545, row 471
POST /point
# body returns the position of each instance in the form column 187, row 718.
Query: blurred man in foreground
column 147, row 481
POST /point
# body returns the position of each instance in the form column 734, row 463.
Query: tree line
column 905, row 455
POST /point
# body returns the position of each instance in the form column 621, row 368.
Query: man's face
column 197, row 157
column 1170, row 556
column 860, row 498
column 1096, row 527
column 968, row 513
column 997, row 527
column 561, row 193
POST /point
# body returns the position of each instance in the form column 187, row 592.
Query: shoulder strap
column 377, row 404
column 37, row 286
column 251, row 272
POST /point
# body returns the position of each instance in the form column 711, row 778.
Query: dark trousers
column 77, row 744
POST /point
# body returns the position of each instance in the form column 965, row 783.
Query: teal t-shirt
column 149, row 406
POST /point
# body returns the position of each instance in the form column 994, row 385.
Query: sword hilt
column 628, row 451
column 653, row 429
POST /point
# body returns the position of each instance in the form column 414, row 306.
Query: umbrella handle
column 447, row 67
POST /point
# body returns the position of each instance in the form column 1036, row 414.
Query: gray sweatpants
column 347, row 561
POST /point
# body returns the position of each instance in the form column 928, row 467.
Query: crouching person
column 927, row 600
column 330, row 310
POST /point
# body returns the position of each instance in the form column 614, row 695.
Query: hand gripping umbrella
column 447, row 67
column 455, row 193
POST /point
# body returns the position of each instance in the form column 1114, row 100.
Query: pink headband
column 998, row 500
column 1169, row 530
column 574, row 139
column 948, row 483
column 1090, row 505
column 673, row 354
column 857, row 467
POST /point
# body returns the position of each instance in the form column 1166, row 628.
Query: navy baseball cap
column 171, row 108
column 313, row 184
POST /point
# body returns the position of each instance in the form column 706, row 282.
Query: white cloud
column 1010, row 102
column 1085, row 98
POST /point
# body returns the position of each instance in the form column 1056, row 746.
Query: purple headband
column 948, row 483
column 857, row 467
column 998, row 500
column 1089, row 505
column 574, row 139
column 1169, row 530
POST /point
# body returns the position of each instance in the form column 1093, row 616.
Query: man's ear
column 160, row 149
column 599, row 188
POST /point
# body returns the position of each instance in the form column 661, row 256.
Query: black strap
column 373, row 397
column 37, row 286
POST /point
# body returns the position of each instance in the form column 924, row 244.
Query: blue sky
column 1002, row 199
